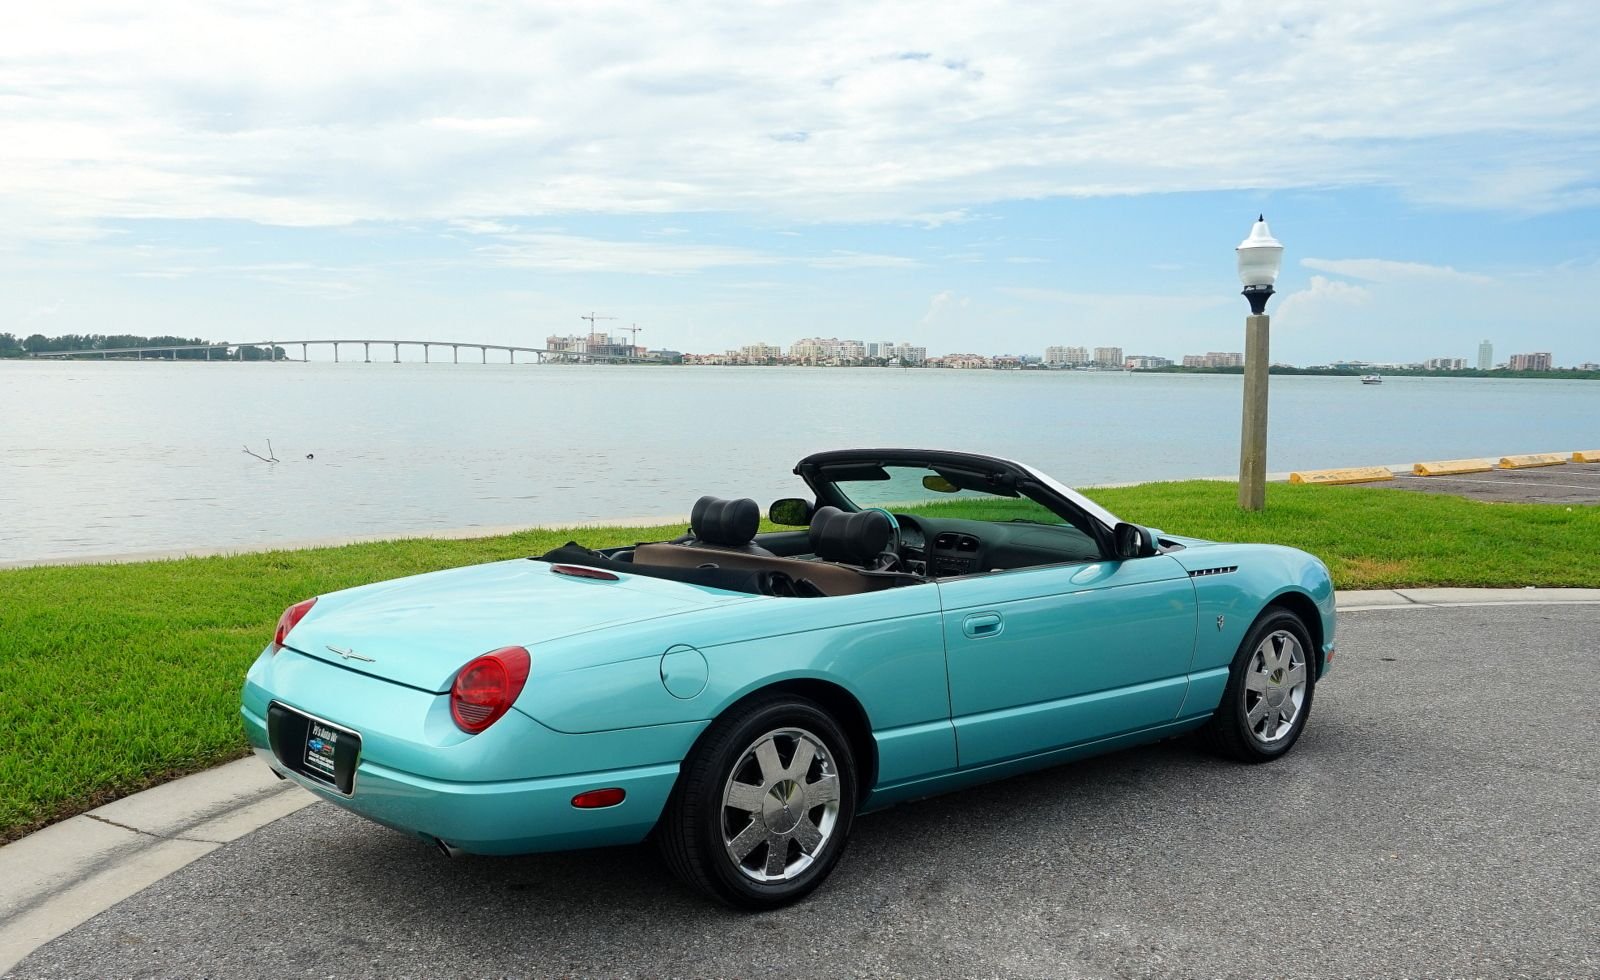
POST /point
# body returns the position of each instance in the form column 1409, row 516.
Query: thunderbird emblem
column 349, row 654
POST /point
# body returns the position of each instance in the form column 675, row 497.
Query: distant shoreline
column 1283, row 370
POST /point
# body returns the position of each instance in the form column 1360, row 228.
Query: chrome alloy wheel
column 780, row 805
column 1275, row 686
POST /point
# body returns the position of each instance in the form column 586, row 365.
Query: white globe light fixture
column 1260, row 258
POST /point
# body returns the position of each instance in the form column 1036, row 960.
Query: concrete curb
column 63, row 875
column 1361, row 600
column 69, row 872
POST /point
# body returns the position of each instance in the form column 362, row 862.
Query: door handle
column 980, row 625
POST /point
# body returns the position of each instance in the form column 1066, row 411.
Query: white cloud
column 302, row 113
column 577, row 253
column 941, row 304
column 842, row 259
column 478, row 226
column 1317, row 298
column 42, row 312
column 938, row 219
column 574, row 253
column 1160, row 303
column 1386, row 270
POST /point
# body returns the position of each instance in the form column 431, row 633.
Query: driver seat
column 850, row 539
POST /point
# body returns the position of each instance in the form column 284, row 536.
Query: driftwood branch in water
column 270, row 457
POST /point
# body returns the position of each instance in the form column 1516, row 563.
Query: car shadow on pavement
column 1050, row 858
column 1012, row 825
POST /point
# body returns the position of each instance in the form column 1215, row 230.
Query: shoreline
column 331, row 541
column 453, row 534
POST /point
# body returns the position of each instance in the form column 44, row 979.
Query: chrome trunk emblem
column 349, row 654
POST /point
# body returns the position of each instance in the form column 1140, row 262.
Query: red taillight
column 594, row 799
column 486, row 687
column 290, row 618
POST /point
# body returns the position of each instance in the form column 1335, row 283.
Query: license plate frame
column 322, row 751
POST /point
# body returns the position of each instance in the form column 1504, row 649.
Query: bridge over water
column 230, row 350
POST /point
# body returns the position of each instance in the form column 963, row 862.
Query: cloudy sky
column 983, row 176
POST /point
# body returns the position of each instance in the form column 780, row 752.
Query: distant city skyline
column 846, row 350
column 602, row 345
column 1010, row 176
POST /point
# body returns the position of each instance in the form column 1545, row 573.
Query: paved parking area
column 1438, row 818
column 1569, row 483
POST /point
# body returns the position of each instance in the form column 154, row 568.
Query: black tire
column 693, row 835
column 1230, row 732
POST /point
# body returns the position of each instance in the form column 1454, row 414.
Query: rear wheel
column 763, row 806
column 1270, row 686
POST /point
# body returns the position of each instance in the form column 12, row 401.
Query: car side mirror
column 1133, row 541
column 791, row 512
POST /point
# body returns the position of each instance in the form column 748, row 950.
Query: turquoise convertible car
column 925, row 621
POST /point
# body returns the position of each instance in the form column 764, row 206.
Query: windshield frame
column 1066, row 503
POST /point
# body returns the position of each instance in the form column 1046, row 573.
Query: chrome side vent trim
column 1221, row 570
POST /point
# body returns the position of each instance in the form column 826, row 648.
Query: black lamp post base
column 1258, row 296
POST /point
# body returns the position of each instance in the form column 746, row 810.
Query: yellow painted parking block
column 1451, row 467
column 1586, row 456
column 1531, row 459
column 1356, row 474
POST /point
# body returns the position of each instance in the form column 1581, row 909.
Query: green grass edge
column 116, row 677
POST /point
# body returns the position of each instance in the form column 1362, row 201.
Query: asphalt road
column 1439, row 817
column 1570, row 483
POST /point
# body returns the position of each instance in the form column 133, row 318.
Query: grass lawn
column 116, row 677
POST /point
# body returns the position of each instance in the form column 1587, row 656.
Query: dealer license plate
column 314, row 748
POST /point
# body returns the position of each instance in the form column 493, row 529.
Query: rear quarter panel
column 886, row 649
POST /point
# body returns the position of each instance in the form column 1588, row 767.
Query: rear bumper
column 507, row 790
column 517, row 817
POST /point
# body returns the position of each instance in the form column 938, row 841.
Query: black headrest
column 729, row 523
column 855, row 538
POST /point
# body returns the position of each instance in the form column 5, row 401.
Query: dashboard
column 947, row 548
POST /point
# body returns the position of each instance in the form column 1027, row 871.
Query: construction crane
column 593, row 317
column 634, row 330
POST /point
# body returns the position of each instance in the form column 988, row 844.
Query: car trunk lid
column 419, row 631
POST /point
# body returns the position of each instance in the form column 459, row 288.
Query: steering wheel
column 889, row 559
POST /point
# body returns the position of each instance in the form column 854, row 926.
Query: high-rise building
column 908, row 355
column 1058, row 356
column 1147, row 362
column 1445, row 363
column 820, row 350
column 1531, row 362
column 756, row 353
column 1214, row 359
column 1108, row 357
column 1485, row 356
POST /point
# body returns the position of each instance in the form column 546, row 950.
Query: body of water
column 109, row 457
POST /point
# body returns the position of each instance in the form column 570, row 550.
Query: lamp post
column 1260, row 257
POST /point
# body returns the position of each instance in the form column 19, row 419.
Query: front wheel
column 1270, row 686
column 763, row 806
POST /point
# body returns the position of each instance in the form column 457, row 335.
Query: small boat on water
column 1371, row 379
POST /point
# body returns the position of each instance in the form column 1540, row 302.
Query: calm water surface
column 99, row 458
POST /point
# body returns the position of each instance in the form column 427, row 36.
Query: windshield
column 932, row 493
